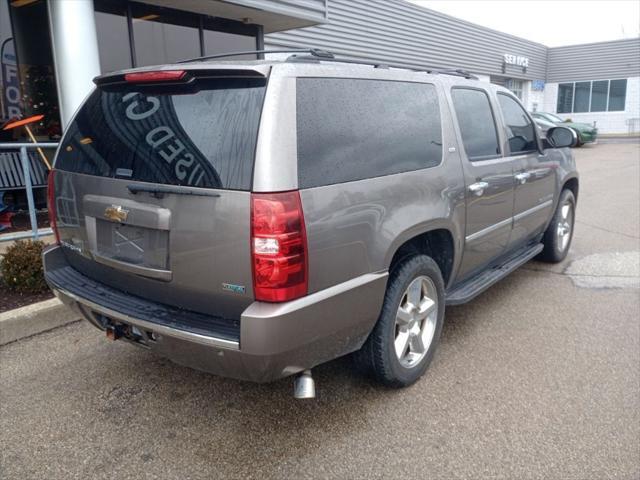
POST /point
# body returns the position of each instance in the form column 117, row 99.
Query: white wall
column 534, row 97
column 607, row 122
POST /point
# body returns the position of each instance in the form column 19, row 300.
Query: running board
column 471, row 288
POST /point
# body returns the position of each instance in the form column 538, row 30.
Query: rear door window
column 202, row 135
column 476, row 122
column 520, row 130
column 351, row 129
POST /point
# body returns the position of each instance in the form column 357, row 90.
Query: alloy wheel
column 416, row 321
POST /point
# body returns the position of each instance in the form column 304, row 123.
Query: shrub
column 22, row 267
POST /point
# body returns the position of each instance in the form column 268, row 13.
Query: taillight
column 51, row 205
column 159, row 76
column 278, row 246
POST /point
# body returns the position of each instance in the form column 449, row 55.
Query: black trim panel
column 69, row 279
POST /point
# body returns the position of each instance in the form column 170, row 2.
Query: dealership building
column 51, row 50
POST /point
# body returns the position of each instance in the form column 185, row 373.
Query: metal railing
column 26, row 172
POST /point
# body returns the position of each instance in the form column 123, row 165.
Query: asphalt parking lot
column 539, row 377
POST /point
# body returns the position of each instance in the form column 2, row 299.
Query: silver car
column 256, row 219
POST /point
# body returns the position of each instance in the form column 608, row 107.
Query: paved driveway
column 537, row 378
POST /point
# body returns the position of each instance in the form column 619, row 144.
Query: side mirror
column 559, row 137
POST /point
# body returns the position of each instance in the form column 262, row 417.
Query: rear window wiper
column 160, row 191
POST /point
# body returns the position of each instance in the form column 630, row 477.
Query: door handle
column 522, row 177
column 478, row 188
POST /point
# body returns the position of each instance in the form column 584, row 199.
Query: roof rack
column 317, row 55
column 314, row 52
column 458, row 72
column 307, row 58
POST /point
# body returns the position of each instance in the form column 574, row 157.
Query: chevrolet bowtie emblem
column 116, row 213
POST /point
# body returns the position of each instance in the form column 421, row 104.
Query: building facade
column 51, row 49
column 592, row 83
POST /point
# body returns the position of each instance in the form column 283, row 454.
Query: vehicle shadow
column 213, row 419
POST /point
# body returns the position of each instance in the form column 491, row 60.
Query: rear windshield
column 201, row 136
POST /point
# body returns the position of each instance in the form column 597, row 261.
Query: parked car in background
column 586, row 133
column 256, row 219
column 543, row 125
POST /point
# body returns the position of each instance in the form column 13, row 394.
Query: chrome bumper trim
column 161, row 329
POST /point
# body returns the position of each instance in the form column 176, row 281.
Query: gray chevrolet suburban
column 255, row 219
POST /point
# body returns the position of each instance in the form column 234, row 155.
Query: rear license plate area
column 140, row 246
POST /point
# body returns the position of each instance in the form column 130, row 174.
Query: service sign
column 518, row 60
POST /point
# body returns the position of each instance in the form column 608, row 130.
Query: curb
column 33, row 319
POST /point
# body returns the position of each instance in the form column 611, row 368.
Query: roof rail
column 314, row 52
column 307, row 58
column 458, row 72
column 317, row 55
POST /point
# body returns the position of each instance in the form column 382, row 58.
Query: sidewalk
column 4, row 245
column 619, row 138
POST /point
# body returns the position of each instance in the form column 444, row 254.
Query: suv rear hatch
column 152, row 186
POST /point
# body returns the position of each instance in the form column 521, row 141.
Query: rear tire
column 403, row 341
column 557, row 238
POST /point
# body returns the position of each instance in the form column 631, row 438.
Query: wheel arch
column 572, row 184
column 438, row 243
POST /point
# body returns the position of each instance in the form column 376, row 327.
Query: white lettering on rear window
column 157, row 137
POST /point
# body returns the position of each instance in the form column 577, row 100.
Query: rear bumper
column 274, row 340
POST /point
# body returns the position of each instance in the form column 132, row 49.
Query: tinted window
column 477, row 126
column 520, row 130
column 202, row 137
column 599, row 96
column 617, row 95
column 565, row 98
column 353, row 129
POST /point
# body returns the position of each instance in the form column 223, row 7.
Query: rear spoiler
column 179, row 75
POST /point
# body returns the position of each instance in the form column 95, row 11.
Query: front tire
column 557, row 238
column 403, row 341
column 579, row 142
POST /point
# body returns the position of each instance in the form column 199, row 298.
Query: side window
column 520, row 130
column 351, row 129
column 477, row 125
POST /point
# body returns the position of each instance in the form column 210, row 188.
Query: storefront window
column 223, row 42
column 517, row 87
column 599, row 93
column 135, row 34
column 113, row 40
column 617, row 95
column 565, row 98
column 10, row 96
column 596, row 96
column 28, row 79
column 162, row 37
column 581, row 100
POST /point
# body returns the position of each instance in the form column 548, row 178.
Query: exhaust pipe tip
column 304, row 386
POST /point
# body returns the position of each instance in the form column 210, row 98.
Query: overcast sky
column 550, row 22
